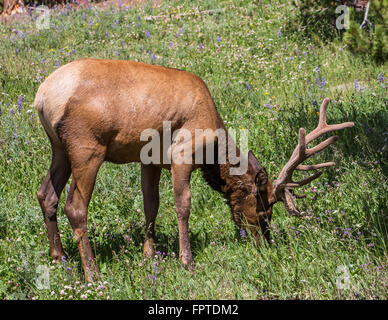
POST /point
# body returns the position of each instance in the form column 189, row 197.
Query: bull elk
column 95, row 110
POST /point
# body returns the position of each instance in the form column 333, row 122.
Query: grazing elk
column 95, row 110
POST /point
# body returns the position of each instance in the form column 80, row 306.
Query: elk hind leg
column 85, row 165
column 150, row 177
column 48, row 196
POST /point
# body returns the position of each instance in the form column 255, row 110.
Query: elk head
column 282, row 189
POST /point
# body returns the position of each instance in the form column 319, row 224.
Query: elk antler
column 283, row 185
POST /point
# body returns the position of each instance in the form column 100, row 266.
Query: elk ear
column 253, row 161
column 261, row 179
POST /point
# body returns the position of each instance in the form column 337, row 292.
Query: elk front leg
column 181, row 184
column 150, row 177
column 48, row 197
column 84, row 170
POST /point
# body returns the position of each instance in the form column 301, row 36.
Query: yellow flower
column 310, row 112
column 266, row 93
column 318, row 113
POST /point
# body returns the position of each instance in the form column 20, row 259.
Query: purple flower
column 201, row 45
column 280, row 33
column 248, row 86
column 381, row 77
column 148, row 34
column 323, row 81
column 242, row 233
column 12, row 111
column 83, row 16
column 356, row 85
column 19, row 104
column 218, row 39
column 107, row 34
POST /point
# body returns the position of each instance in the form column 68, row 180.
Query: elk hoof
column 149, row 249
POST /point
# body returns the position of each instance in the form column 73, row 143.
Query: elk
column 94, row 110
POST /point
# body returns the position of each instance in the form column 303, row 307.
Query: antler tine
column 323, row 127
column 314, row 166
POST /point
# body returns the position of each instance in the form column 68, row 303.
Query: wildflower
column 248, row 86
column 148, row 34
column 242, row 233
column 381, row 77
column 57, row 63
column 316, row 69
column 268, row 105
column 201, row 45
column 280, row 33
column 356, row 85
column 19, row 104
column 107, row 34
column 83, row 16
column 71, row 52
column 323, row 81
column 218, row 39
column 12, row 111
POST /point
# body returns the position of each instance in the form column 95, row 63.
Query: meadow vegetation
column 262, row 79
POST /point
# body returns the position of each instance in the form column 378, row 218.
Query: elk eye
column 261, row 179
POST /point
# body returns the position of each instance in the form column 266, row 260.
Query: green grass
column 257, row 86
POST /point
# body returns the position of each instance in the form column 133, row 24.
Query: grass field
column 262, row 79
